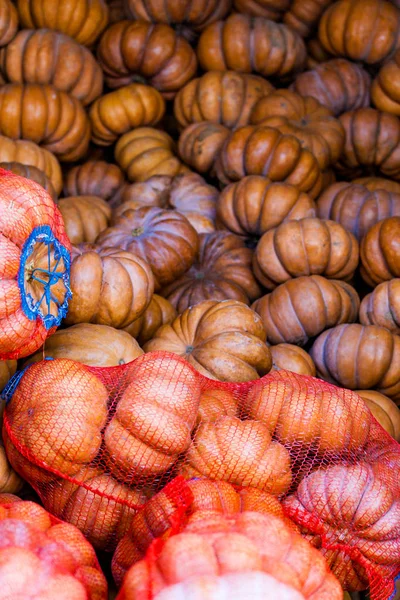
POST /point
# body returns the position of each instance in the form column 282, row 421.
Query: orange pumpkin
column 292, row 358
column 85, row 217
column 384, row 410
column 94, row 178
column 7, row 370
column 159, row 312
column 216, row 403
column 31, row 172
column 10, row 482
column 200, row 144
column 9, row 22
column 382, row 306
column 380, row 251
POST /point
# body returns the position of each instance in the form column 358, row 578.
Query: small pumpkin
column 94, row 178
column 255, row 204
column 222, row 340
column 221, row 271
column 127, row 108
column 109, row 286
column 131, row 51
column 163, row 238
column 248, row 45
column 226, row 98
column 216, row 403
column 9, row 22
column 379, row 183
column 85, row 217
column 33, row 173
column 359, row 357
column 384, row 91
column 382, row 306
column 159, row 312
column 305, row 247
column 200, row 144
column 83, row 20
column 302, row 308
column 306, row 119
column 47, row 56
column 384, row 410
column 380, row 251
column 292, row 358
column 145, row 152
column 338, row 84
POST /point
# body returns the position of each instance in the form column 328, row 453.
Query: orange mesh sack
column 34, row 266
column 242, row 556
column 41, row 557
column 98, row 444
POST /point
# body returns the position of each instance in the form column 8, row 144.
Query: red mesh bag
column 99, row 443
column 34, row 266
column 243, row 555
column 41, row 557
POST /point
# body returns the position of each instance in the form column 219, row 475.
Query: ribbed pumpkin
column 380, row 251
column 384, row 410
column 33, row 173
column 302, row 308
column 10, row 481
column 9, row 22
column 292, row 358
column 384, row 90
column 382, row 306
column 85, row 217
column 223, row 340
column 200, row 145
column 46, row 56
column 379, row 183
column 132, row 51
column 109, row 286
column 94, row 178
column 305, row 247
column 159, row 312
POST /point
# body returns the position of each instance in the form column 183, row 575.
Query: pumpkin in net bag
column 34, row 266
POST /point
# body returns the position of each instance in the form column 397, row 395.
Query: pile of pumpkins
column 228, row 173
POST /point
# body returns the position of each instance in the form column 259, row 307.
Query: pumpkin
column 255, row 204
column 316, row 54
column 163, row 238
column 200, row 144
column 84, row 217
column 89, row 344
column 193, row 14
column 248, row 45
column 7, row 370
column 129, row 107
column 154, row 418
column 243, row 555
column 269, row 9
column 368, row 517
column 372, row 143
column 384, row 410
column 56, row 437
column 338, row 84
column 132, row 51
column 109, row 286
column 46, row 56
column 378, row 183
column 299, row 411
column 359, row 357
column 29, row 154
column 216, row 403
column 94, row 178
column 302, row 308
column 159, row 312
column 305, row 247
column 266, row 151
column 10, row 481
column 226, row 98
column 222, row 271
column 380, row 251
column 102, row 510
column 292, row 358
column 33, row 173
column 83, row 20
column 34, row 266
column 239, row 452
column 9, row 22
column 52, row 559
column 382, row 306
column 356, row 207
column 306, row 119
column 222, row 340
column 46, row 116
column 145, row 152
column 384, row 91
column 361, row 30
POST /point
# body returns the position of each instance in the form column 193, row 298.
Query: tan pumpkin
column 385, row 90
column 382, row 306
column 384, row 410
column 305, row 247
column 109, row 286
column 302, row 308
column 221, row 271
column 33, row 173
column 225, row 97
column 379, row 183
column 306, row 119
column 200, row 144
column 127, row 108
column 89, row 344
column 7, row 370
column 222, row 340
column 94, row 178
column 47, row 56
column 159, row 312
column 83, row 20
column 84, row 217
column 380, row 252
column 292, row 358
column 9, row 22
column 255, row 204
column 145, row 152
column 316, row 54
column 10, row 481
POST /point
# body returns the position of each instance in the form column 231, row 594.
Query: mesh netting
column 98, row 444
column 34, row 266
column 41, row 557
